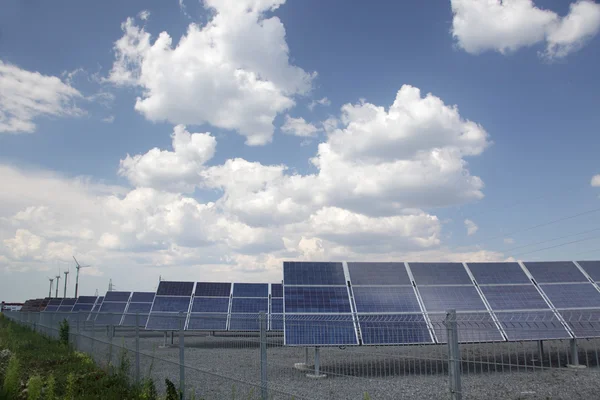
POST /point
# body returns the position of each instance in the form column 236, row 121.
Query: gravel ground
column 228, row 367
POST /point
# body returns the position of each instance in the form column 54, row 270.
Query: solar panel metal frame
column 126, row 320
column 246, row 321
column 112, row 317
column 275, row 318
column 195, row 316
column 170, row 315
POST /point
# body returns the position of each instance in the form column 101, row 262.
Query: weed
column 149, row 390
column 232, row 392
column 34, row 388
column 12, row 377
column 51, row 388
column 171, row 390
column 63, row 333
column 71, row 387
column 366, row 396
column 124, row 365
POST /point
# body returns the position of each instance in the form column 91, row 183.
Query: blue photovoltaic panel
column 276, row 322
column 171, row 304
column 98, row 304
column 207, row 322
column 211, row 304
column 110, row 307
column 277, row 306
column 583, row 323
column 498, row 273
column 142, row 297
column 117, row 296
column 244, row 322
column 514, row 297
column 313, row 273
column 213, row 289
column 577, row 295
column 531, row 325
column 472, row 327
column 55, row 302
column 139, row 308
column 443, row 298
column 86, row 300
column 276, row 290
column 592, row 268
column 165, row 321
column 249, row 305
column 316, row 299
column 166, row 288
column 250, row 290
column 82, row 307
column 315, row 330
column 51, row 308
column 378, row 273
column 394, row 329
column 129, row 320
column 385, row 299
column 65, row 308
column 439, row 273
column 68, row 302
column 555, row 272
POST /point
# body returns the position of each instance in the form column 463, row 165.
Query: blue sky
column 222, row 207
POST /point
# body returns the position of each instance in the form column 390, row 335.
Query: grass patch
column 64, row 373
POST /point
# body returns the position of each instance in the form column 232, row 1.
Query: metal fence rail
column 466, row 363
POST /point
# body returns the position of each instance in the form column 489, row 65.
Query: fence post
column 78, row 335
column 137, row 348
column 110, row 346
column 181, row 356
column 264, row 389
column 453, row 355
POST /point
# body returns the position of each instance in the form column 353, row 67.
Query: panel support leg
column 317, row 374
column 575, row 355
column 303, row 366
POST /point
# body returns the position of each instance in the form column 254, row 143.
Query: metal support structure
column 181, row 355
column 172, row 335
column 78, row 330
column 165, row 341
column 306, row 356
column 110, row 345
column 137, row 348
column 541, row 351
column 264, row 388
column 453, row 356
column 317, row 372
column 575, row 355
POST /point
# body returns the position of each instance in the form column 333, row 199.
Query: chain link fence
column 254, row 363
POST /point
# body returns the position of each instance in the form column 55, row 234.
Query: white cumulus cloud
column 506, row 26
column 233, row 73
column 26, row 96
column 471, row 226
column 595, row 181
column 299, row 127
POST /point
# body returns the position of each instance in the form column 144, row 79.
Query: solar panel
column 394, row 329
column 514, row 297
column 472, row 327
column 276, row 323
column 276, row 290
column 443, row 298
column 583, row 323
column 207, row 322
column 68, row 302
column 98, row 304
column 301, row 299
column 55, row 302
column 378, row 273
column 82, row 307
column 86, row 300
column 244, row 305
column 117, row 296
column 319, row 330
column 50, row 308
column 169, row 321
column 439, row 273
column 385, row 299
column 167, row 288
column 65, row 309
column 250, row 290
column 576, row 295
column 142, row 297
column 171, row 304
column 141, row 310
column 244, row 322
column 531, row 325
column 498, row 273
column 112, row 307
column 277, row 306
column 555, row 272
column 313, row 273
column 592, row 268
column 211, row 304
column 213, row 289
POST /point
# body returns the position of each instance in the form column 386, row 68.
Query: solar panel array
column 406, row 303
column 138, row 309
column 112, row 308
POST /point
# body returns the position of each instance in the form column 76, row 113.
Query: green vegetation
column 33, row 366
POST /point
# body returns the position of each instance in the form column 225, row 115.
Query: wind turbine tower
column 57, row 282
column 50, row 291
column 78, row 267
column 66, row 276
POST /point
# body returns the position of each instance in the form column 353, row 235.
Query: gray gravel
column 228, row 367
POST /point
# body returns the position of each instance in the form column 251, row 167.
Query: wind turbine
column 50, row 291
column 66, row 276
column 57, row 282
column 78, row 267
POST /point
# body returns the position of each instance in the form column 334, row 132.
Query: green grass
column 73, row 375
